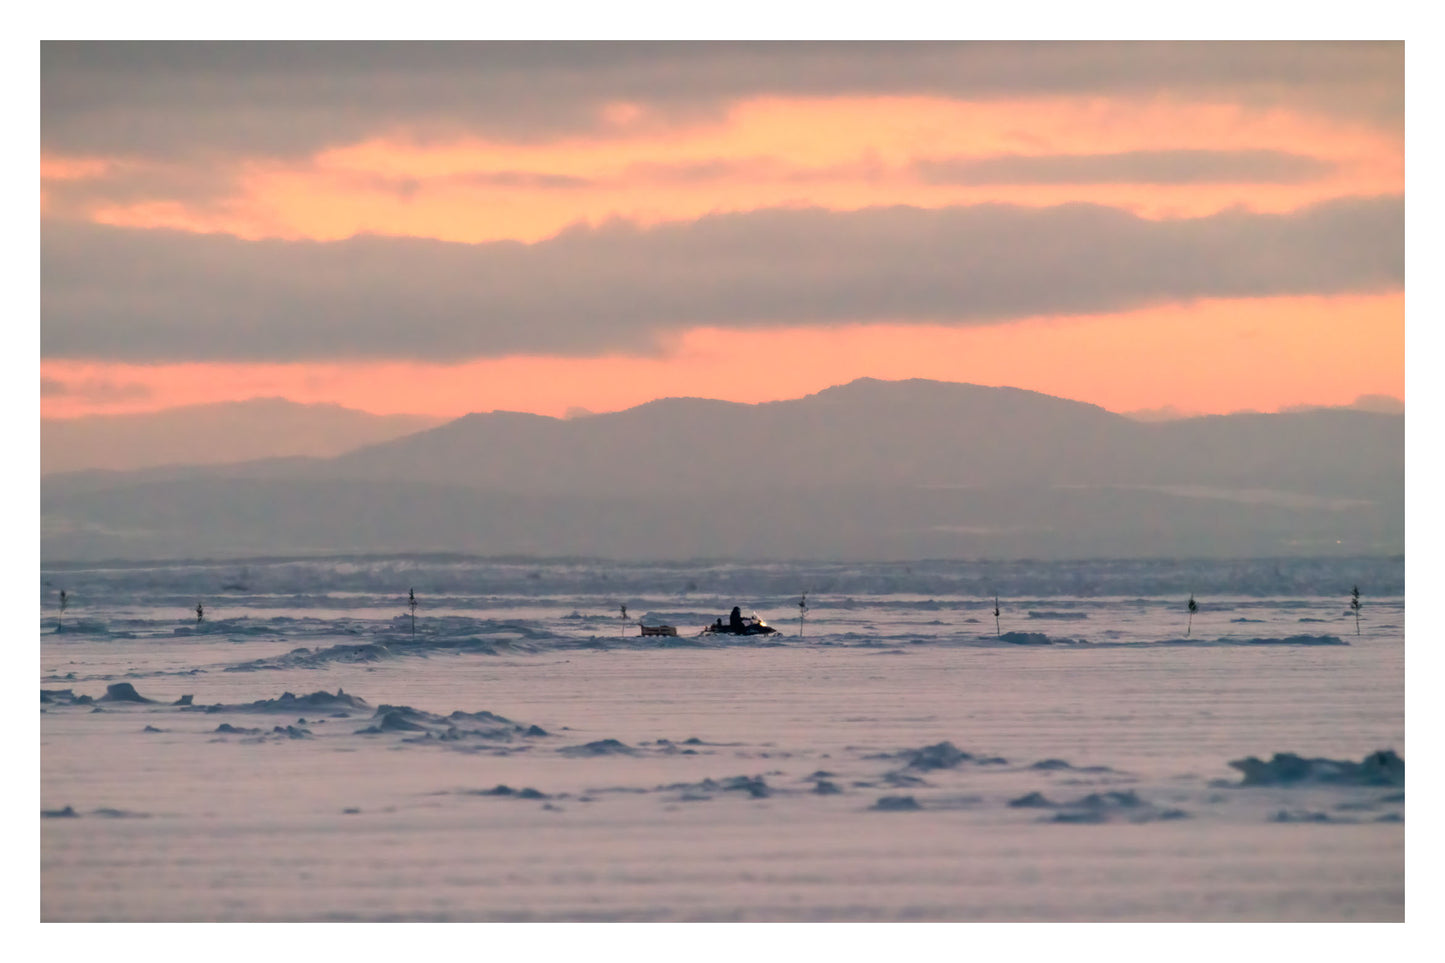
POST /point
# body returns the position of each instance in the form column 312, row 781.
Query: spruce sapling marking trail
column 1193, row 607
column 200, row 613
column 624, row 620
column 1354, row 604
column 998, row 633
column 411, row 604
column 802, row 613
column 65, row 598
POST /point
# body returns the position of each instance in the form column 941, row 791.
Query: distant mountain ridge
column 864, row 432
column 220, row 433
column 867, row 469
column 871, row 432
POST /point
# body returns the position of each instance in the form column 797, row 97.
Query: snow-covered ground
column 525, row 755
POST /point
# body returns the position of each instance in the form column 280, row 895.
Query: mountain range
column 220, row 433
column 871, row 469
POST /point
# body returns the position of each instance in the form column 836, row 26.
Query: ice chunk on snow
column 1383, row 768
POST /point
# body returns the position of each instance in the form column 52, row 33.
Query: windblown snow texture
column 304, row 717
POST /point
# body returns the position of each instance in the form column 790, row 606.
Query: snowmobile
column 740, row 626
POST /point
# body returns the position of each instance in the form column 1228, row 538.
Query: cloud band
column 121, row 294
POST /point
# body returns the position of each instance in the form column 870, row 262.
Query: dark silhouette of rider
column 735, row 619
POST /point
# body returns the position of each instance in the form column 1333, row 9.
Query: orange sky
column 840, row 153
column 1279, row 352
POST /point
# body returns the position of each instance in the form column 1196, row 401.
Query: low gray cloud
column 1162, row 413
column 202, row 188
column 162, row 98
column 1383, row 404
column 157, row 295
column 1128, row 167
column 93, row 390
column 1378, row 404
column 529, row 180
column 210, row 188
column 410, row 187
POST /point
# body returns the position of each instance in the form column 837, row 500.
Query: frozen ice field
column 300, row 754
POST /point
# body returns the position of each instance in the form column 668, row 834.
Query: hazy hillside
column 864, row 433
column 877, row 433
column 866, row 470
column 214, row 434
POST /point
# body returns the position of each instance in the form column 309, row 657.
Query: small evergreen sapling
column 200, row 613
column 802, row 613
column 1355, row 605
column 64, row 599
column 411, row 604
column 623, row 608
column 1193, row 607
column 998, row 633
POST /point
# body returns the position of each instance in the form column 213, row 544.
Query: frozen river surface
column 525, row 755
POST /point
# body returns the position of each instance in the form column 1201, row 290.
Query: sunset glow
column 841, row 154
column 1296, row 351
column 1157, row 152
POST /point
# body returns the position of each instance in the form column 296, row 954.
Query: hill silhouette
column 868, row 469
column 221, row 433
